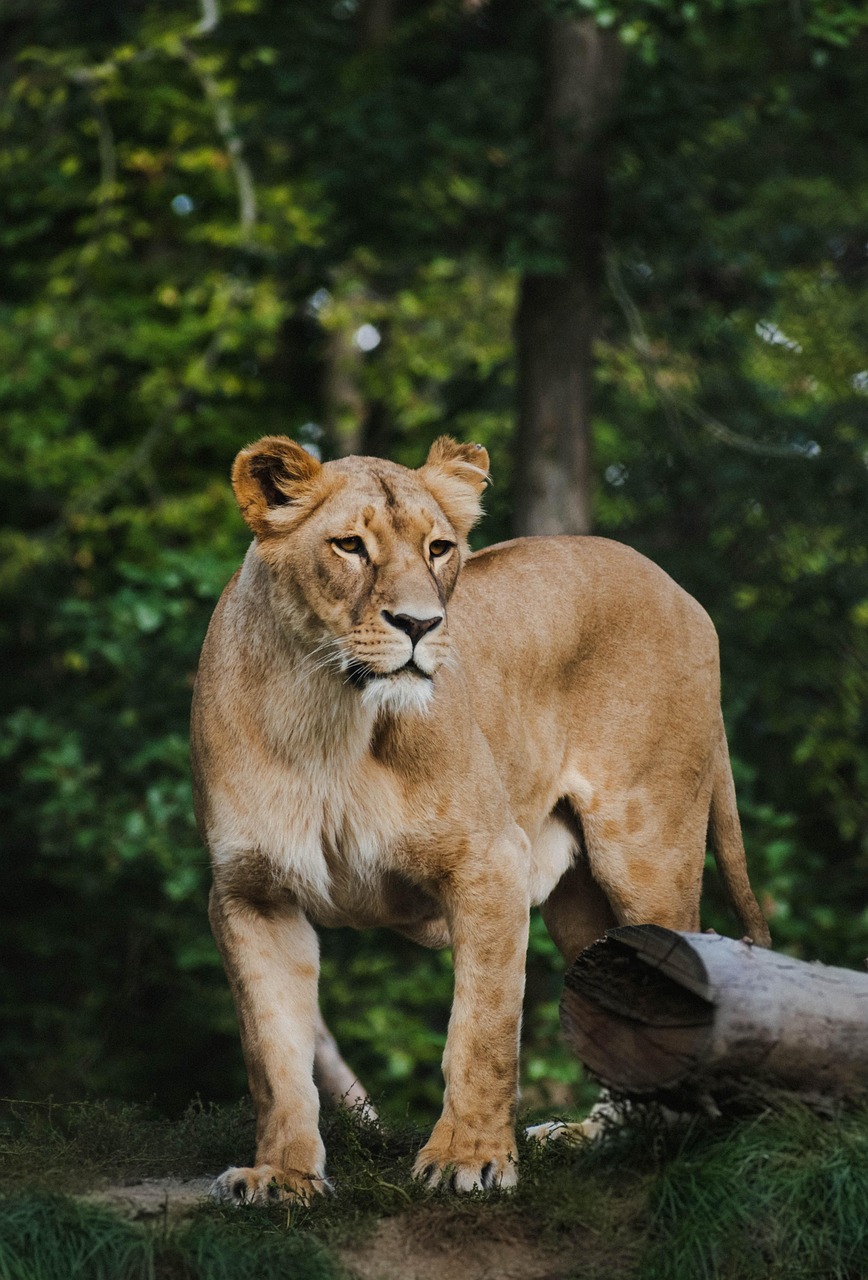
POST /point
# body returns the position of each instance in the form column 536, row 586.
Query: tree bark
column 557, row 313
column 650, row 1011
column 376, row 20
column 343, row 404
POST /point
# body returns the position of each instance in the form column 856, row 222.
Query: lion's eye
column 439, row 548
column 351, row 546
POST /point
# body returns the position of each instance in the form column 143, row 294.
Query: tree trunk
column 557, row 313
column 650, row 1011
column 376, row 20
column 343, row 404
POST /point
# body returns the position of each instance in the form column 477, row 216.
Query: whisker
column 332, row 641
column 330, row 660
column 327, row 655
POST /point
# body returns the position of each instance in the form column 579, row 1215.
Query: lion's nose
column 415, row 628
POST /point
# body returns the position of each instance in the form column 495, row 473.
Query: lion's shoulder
column 585, row 585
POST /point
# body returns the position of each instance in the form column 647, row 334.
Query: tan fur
column 558, row 741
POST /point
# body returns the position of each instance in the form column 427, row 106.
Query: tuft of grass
column 778, row 1198
column 45, row 1237
column 259, row 1249
column 75, row 1146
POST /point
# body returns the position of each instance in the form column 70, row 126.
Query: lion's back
column 562, row 595
column 583, row 640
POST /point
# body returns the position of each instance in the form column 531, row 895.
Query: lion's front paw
column 470, row 1169
column 266, row 1185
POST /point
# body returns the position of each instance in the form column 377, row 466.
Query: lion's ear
column 457, row 474
column 274, row 472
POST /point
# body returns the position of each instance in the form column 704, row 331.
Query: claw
column 266, row 1185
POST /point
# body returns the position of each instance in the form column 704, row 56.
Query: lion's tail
column 726, row 840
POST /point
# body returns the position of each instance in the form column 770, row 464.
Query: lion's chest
column 331, row 837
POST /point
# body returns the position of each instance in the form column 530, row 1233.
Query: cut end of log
column 636, row 1009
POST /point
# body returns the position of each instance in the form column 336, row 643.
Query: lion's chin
column 401, row 693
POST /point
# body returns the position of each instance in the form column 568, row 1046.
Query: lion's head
column 362, row 557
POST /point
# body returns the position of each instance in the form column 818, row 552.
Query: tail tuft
column 726, row 840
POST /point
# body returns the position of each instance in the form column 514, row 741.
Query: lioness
column 389, row 731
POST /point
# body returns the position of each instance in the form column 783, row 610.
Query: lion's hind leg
column 605, row 1114
column 646, row 852
column 338, row 1084
column 605, row 1117
column 637, row 865
column 577, row 911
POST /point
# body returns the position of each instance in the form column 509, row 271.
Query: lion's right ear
column 456, row 474
column 274, row 472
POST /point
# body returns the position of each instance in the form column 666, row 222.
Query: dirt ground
column 415, row 1246
column 171, row 1198
column 422, row 1244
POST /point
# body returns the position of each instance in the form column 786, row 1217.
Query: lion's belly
column 382, row 900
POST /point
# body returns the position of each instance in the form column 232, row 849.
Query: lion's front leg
column 271, row 955
column 473, row 1142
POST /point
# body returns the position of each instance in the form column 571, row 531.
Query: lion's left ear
column 457, row 474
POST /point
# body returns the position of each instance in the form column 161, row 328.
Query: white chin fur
column 399, row 694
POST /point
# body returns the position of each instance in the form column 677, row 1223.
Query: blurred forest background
column 623, row 243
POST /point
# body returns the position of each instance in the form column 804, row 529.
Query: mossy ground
column 780, row 1196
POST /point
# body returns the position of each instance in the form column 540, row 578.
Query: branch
column 108, row 166
column 247, row 205
column 207, row 25
column 674, row 407
column 88, row 78
column 210, row 18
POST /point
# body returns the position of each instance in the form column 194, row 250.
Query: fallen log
column 652, row 1012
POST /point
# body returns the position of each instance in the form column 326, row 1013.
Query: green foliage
column 197, row 226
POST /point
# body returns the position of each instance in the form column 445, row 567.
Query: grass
column 781, row 1196
column 785, row 1197
column 80, row 1144
column 45, row 1237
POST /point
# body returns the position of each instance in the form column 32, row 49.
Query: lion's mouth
column 360, row 675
